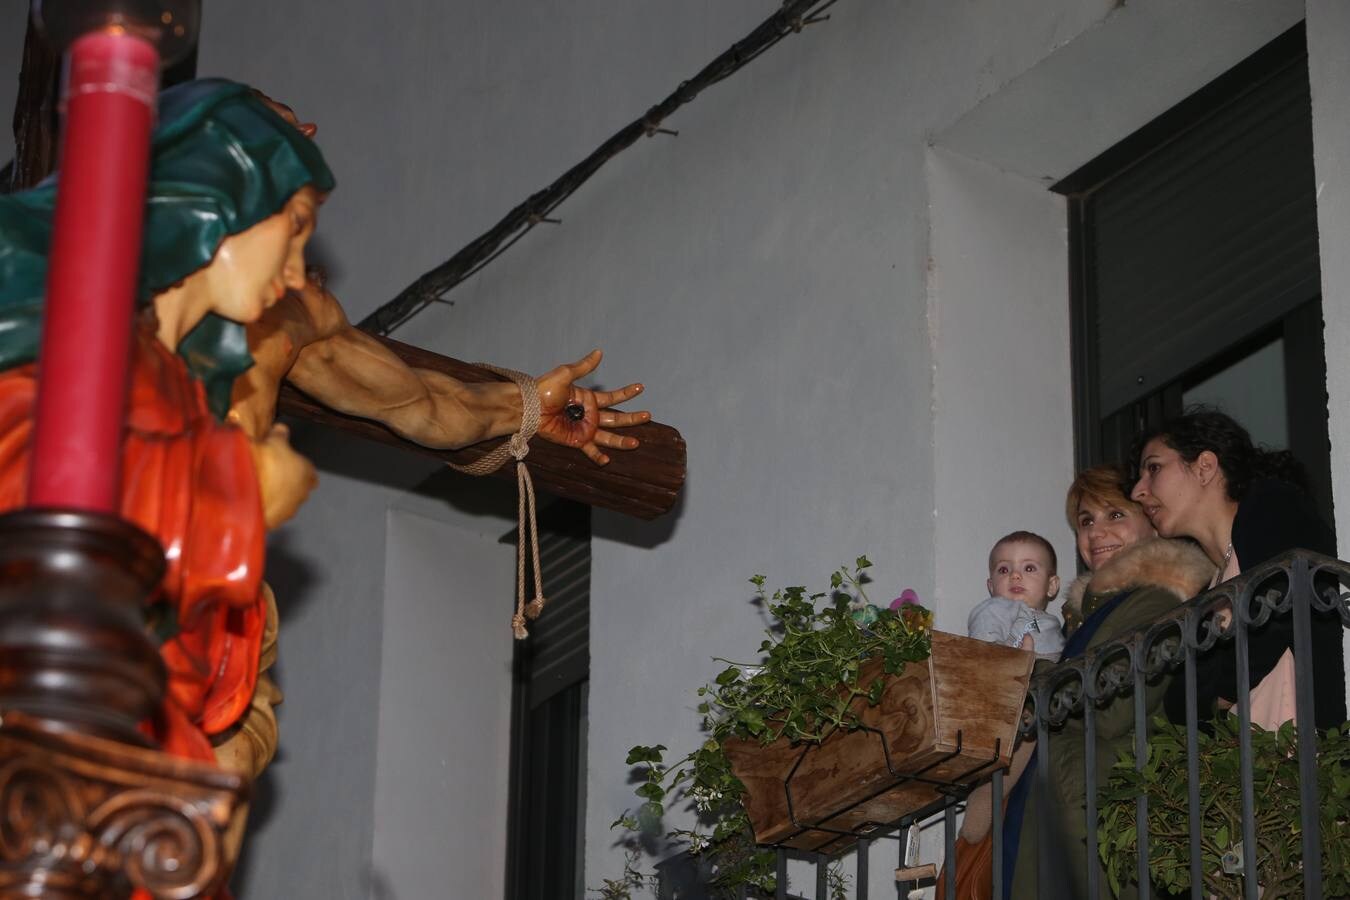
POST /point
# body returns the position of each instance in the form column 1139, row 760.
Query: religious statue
column 306, row 339
column 234, row 194
column 230, row 206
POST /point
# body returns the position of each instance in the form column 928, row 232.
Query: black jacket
column 1272, row 519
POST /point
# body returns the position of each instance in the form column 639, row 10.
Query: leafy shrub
column 1279, row 822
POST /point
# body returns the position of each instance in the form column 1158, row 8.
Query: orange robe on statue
column 189, row 481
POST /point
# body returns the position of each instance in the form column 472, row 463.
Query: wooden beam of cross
column 644, row 482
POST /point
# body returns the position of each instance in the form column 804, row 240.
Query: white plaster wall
column 1128, row 69
column 1002, row 395
column 444, row 715
column 1329, row 75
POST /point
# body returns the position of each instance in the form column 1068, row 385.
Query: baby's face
column 1020, row 571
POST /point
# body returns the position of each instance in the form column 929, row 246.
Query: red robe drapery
column 189, row 481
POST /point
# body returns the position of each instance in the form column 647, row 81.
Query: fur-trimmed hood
column 1175, row 565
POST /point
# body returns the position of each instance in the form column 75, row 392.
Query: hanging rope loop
column 517, row 447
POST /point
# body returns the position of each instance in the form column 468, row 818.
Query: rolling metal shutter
column 559, row 643
column 1205, row 241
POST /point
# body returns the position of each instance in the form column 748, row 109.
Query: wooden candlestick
column 92, row 810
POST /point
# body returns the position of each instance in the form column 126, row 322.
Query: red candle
column 111, row 81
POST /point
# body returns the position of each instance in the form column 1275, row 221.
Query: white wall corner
column 1329, row 77
column 1127, row 69
column 933, row 320
column 444, row 714
column 1002, row 393
column 1329, row 74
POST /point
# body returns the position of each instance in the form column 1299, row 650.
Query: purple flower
column 907, row 596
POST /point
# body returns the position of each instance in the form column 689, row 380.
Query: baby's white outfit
column 1003, row 621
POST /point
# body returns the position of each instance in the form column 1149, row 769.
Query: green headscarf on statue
column 221, row 162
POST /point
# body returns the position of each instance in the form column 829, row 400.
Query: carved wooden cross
column 644, row 482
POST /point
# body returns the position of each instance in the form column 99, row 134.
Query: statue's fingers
column 614, row 398
column 611, row 419
column 614, row 442
column 586, row 365
column 593, row 454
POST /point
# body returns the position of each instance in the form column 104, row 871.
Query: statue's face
column 253, row 269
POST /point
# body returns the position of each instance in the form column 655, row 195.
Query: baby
column 1022, row 581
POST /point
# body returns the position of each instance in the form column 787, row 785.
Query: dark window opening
column 546, row 818
column 1194, row 269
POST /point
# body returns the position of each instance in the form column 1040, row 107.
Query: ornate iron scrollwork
column 1159, row 647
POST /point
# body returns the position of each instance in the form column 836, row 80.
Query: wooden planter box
column 944, row 723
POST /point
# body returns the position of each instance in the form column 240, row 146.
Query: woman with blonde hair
column 1133, row 578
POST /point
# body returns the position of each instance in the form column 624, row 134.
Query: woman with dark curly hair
column 1201, row 477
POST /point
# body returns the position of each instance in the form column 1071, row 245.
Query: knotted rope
column 517, row 447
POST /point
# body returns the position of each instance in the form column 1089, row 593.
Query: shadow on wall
column 613, row 526
column 261, row 805
column 320, row 253
column 290, row 574
column 349, row 456
column 377, row 885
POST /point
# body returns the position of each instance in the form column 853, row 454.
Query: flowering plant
column 803, row 688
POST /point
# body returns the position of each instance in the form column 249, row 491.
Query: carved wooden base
column 87, row 808
column 85, row 817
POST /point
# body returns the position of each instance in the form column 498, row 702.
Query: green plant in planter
column 1279, row 825
column 803, row 687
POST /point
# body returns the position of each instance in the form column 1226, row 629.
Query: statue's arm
column 351, row 372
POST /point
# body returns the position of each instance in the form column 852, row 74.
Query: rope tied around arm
column 517, row 447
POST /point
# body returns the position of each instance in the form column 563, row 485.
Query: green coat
column 1157, row 575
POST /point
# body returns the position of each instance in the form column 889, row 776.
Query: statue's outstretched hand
column 558, row 391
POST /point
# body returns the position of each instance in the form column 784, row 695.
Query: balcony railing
column 1300, row 589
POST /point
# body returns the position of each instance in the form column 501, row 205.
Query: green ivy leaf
column 728, row 676
column 642, row 754
column 649, row 817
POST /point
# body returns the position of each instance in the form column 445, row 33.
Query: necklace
column 1223, row 566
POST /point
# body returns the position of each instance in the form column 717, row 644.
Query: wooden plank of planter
column 968, row 688
column 644, row 482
